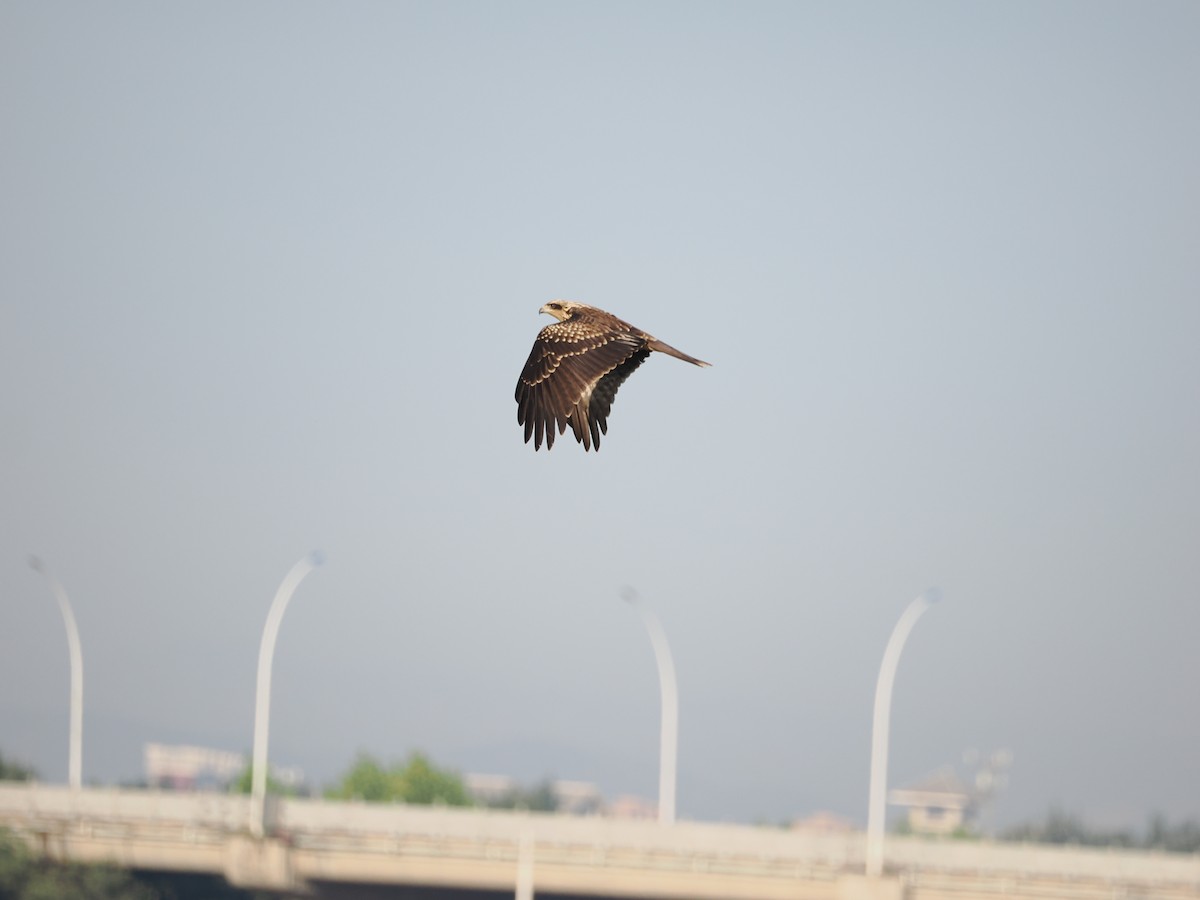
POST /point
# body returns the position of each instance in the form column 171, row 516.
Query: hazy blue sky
column 269, row 272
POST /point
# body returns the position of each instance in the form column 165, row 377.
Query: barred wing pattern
column 571, row 378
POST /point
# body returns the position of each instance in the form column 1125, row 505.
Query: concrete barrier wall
column 336, row 829
column 226, row 811
column 1042, row 860
column 313, row 816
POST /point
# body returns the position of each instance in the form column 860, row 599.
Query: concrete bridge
column 330, row 848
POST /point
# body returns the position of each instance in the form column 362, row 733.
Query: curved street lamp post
column 262, row 701
column 75, row 756
column 879, row 729
column 669, row 732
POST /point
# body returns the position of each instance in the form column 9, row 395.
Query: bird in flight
column 575, row 368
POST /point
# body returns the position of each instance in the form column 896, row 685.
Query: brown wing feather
column 605, row 392
column 559, row 379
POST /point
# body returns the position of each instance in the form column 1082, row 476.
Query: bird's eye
column 556, row 306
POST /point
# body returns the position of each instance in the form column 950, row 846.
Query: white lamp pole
column 879, row 730
column 669, row 737
column 75, row 757
column 262, row 701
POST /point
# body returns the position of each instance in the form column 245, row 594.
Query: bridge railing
column 1044, row 861
column 380, row 828
column 300, row 816
column 228, row 812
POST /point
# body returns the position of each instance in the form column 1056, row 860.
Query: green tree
column 245, row 781
column 366, row 780
column 1063, row 828
column 15, row 771
column 1181, row 838
column 419, row 781
column 26, row 877
column 15, row 860
column 416, row 780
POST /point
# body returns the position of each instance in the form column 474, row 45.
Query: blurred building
column 937, row 804
column 187, row 768
column 579, row 798
column 628, row 806
column 823, row 823
column 487, row 790
column 190, row 768
column 574, row 798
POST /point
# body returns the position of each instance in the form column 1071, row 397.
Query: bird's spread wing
column 603, row 395
column 571, row 377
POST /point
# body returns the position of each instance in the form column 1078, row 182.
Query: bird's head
column 560, row 309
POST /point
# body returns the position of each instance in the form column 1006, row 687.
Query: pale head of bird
column 561, row 309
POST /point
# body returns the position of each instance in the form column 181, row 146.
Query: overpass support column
column 264, row 865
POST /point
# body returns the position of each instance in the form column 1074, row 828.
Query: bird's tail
column 658, row 345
